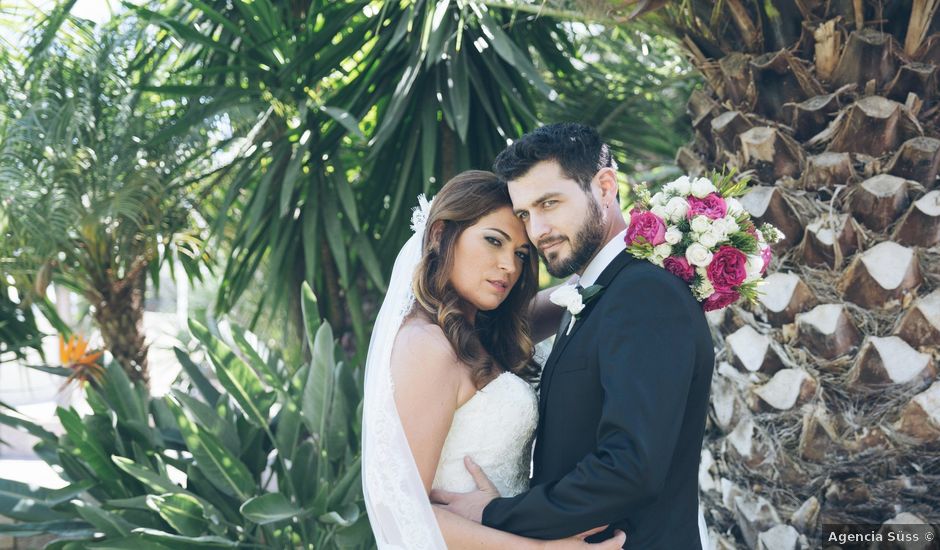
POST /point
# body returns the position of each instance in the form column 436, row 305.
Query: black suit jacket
column 622, row 406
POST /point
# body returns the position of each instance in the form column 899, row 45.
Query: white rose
column 663, row 250
column 682, row 186
column 700, row 224
column 708, row 239
column 753, row 266
column 698, row 255
column 734, row 206
column 660, row 211
column 704, row 289
column 701, row 187
column 659, row 199
column 677, row 208
column 730, row 225
column 673, row 235
column 567, row 296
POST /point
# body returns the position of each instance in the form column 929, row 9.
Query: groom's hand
column 468, row 505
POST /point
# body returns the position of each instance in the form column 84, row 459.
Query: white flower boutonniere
column 574, row 298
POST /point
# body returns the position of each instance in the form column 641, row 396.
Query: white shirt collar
column 602, row 260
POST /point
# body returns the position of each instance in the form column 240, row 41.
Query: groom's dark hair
column 577, row 148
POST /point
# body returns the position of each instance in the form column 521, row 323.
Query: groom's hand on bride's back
column 468, row 505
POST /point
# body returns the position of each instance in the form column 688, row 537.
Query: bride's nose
column 508, row 264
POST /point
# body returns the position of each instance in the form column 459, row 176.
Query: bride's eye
column 494, row 241
column 524, row 256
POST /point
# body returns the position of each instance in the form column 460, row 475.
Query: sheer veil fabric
column 396, row 501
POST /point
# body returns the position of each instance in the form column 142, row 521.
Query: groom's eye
column 549, row 204
column 522, row 215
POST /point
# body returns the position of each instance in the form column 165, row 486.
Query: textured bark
column 767, row 204
column 785, row 296
column 771, row 153
column 828, row 331
column 853, row 101
column 873, row 126
column 882, row 276
column 920, row 225
column 918, row 159
column 808, row 118
column 920, row 326
column 119, row 314
column 887, row 361
column 830, row 239
column 879, row 200
column 827, row 170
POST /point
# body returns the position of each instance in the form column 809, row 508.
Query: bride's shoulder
column 420, row 338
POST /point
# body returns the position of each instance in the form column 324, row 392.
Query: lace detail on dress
column 495, row 428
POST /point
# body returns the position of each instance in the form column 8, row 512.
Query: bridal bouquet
column 698, row 230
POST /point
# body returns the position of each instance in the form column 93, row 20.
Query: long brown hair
column 498, row 340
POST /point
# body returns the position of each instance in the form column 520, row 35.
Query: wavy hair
column 498, row 340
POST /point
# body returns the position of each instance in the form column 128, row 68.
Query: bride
column 449, row 372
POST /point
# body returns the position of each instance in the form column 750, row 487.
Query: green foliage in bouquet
column 269, row 460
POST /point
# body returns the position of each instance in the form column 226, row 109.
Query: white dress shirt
column 600, row 262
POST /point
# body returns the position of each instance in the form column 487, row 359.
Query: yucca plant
column 266, row 458
column 826, row 401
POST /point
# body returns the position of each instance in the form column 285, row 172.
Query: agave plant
column 267, row 458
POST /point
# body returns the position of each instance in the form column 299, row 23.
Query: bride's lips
column 499, row 285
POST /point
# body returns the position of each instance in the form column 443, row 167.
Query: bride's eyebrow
column 501, row 232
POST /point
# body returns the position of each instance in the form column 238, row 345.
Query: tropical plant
column 88, row 201
column 268, row 460
column 825, row 402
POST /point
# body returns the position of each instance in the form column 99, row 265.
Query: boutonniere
column 574, row 298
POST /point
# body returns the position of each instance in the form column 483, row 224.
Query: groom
column 624, row 394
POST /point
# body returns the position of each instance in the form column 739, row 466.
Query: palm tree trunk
column 120, row 316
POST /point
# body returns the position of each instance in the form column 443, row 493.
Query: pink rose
column 720, row 299
column 679, row 266
column 728, row 268
column 766, row 253
column 647, row 225
column 712, row 206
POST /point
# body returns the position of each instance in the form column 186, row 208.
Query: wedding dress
column 494, row 428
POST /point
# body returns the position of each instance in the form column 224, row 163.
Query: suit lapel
column 561, row 341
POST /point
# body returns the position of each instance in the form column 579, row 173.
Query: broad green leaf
column 108, row 523
column 205, row 387
column 345, row 119
column 180, row 541
column 69, row 528
column 344, row 517
column 183, row 512
column 222, row 468
column 134, row 542
column 90, row 451
column 242, row 383
column 269, row 508
column 311, row 313
column 155, row 481
column 23, row 502
column 318, row 389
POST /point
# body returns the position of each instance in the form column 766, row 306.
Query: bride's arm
column 427, row 389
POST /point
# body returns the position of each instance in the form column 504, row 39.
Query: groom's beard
column 586, row 243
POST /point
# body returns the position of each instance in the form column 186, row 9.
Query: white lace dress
column 495, row 428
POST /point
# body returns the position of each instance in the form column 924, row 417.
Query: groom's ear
column 607, row 181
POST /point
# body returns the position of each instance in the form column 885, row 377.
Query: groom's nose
column 538, row 227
